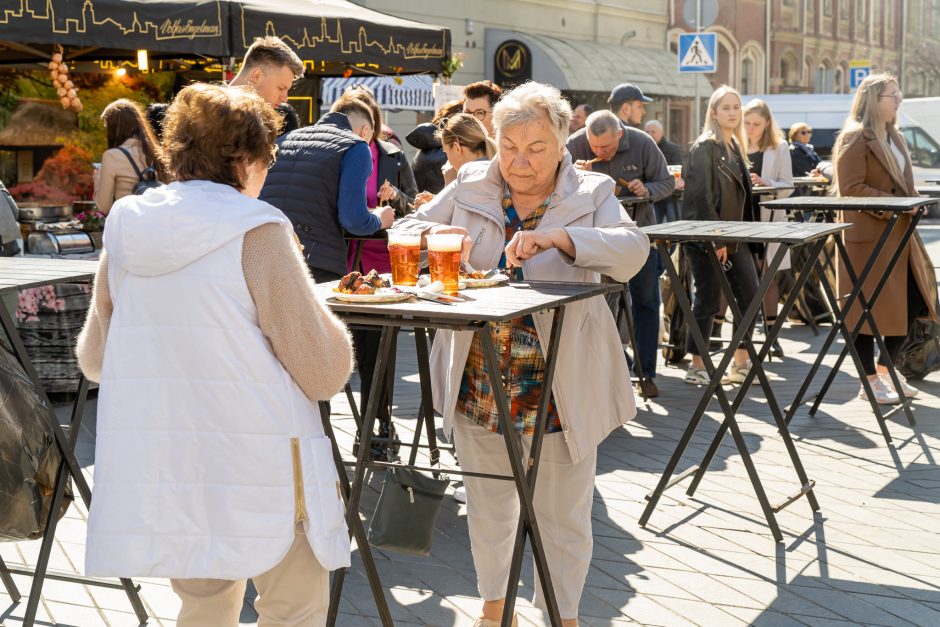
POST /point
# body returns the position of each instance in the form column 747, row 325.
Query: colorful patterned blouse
column 521, row 363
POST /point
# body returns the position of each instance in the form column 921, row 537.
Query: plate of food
column 481, row 278
column 367, row 288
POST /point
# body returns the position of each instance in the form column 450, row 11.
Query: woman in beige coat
column 871, row 159
column 127, row 130
column 530, row 209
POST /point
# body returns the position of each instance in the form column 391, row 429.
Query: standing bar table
column 17, row 273
column 483, row 306
column 825, row 208
column 709, row 232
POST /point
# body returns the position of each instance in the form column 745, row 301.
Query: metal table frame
column 391, row 319
column 15, row 274
column 787, row 235
column 826, row 206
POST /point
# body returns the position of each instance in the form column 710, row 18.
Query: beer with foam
column 444, row 259
column 404, row 252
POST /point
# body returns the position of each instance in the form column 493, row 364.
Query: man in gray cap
column 630, row 157
column 629, row 104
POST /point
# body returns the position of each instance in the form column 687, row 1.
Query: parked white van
column 827, row 112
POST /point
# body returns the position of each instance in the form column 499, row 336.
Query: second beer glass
column 444, row 259
column 404, row 252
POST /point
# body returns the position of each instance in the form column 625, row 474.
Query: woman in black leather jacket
column 718, row 187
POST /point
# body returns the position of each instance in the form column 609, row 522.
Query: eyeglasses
column 898, row 96
column 479, row 114
column 806, row 132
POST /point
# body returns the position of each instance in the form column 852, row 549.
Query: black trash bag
column 921, row 352
column 29, row 457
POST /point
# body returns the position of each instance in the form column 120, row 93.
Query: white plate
column 388, row 297
column 496, row 279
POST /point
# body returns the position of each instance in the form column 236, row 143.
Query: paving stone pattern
column 870, row 556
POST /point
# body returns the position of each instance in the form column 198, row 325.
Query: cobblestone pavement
column 870, row 556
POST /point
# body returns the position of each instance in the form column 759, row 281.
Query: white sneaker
column 884, row 394
column 460, row 494
column 697, row 376
column 909, row 392
column 737, row 374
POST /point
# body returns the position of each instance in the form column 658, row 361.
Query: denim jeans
column 644, row 292
column 707, row 299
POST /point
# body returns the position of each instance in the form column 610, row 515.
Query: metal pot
column 59, row 242
column 35, row 212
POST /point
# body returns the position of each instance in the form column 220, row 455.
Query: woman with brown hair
column 131, row 144
column 212, row 349
column 871, row 159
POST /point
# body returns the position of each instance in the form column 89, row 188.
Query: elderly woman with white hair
column 529, row 209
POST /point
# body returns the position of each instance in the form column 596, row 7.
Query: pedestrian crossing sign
column 698, row 52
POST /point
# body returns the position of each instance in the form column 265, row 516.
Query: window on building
column 788, row 72
column 889, row 18
column 824, row 80
column 839, row 81
column 747, row 77
column 789, row 3
column 860, row 10
column 844, row 9
column 827, row 8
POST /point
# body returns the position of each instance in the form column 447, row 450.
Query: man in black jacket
column 319, row 182
column 667, row 209
column 631, row 158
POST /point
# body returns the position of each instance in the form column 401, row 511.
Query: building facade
column 809, row 46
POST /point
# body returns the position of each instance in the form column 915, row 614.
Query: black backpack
column 146, row 179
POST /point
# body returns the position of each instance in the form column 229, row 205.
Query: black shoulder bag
column 146, row 179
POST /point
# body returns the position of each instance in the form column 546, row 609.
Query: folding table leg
column 522, row 486
column 6, row 578
column 532, row 464
column 625, row 309
column 868, row 316
column 714, row 389
column 362, row 541
column 758, row 371
column 427, row 401
column 355, row 492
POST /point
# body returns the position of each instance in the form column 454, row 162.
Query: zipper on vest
column 301, row 511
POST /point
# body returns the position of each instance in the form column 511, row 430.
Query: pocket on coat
column 325, row 508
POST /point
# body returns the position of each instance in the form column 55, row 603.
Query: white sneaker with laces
column 884, row 394
column 909, row 392
column 460, row 494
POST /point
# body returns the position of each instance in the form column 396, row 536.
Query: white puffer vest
column 207, row 451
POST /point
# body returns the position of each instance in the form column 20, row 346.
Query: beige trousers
column 564, row 494
column 295, row 593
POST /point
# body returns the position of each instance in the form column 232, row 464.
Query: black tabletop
column 752, row 232
column 631, row 201
column 764, row 190
column 810, row 180
column 492, row 304
column 838, row 203
column 22, row 272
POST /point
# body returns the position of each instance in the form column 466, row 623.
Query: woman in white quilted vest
column 212, row 350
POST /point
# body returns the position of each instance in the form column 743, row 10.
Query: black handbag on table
column 406, row 514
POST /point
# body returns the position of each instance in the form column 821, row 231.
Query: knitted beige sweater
column 312, row 343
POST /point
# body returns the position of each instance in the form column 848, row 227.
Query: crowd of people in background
column 488, row 166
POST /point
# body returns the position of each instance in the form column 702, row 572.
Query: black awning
column 329, row 34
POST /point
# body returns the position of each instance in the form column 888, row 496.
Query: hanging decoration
column 65, row 88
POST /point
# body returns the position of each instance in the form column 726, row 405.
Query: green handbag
column 406, row 513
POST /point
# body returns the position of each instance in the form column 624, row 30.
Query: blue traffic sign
column 698, row 52
column 857, row 74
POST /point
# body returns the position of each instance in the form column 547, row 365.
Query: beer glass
column 444, row 259
column 404, row 252
column 675, row 171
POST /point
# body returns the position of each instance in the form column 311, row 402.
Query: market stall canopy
column 328, row 34
column 37, row 124
column 573, row 65
column 412, row 93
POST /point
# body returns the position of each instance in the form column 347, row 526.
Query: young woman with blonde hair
column 871, row 159
column 464, row 139
column 769, row 155
column 718, row 187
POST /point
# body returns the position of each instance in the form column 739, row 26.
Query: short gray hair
column 529, row 102
column 655, row 124
column 602, row 122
